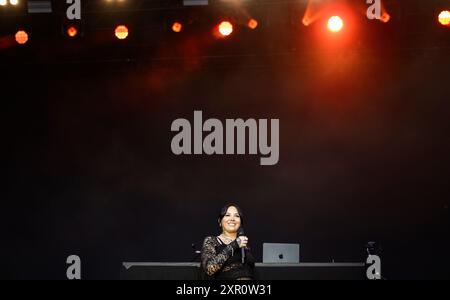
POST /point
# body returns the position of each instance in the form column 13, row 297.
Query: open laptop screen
column 281, row 253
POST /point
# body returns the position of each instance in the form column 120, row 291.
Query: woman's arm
column 212, row 262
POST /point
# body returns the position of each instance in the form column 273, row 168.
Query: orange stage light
column 252, row 24
column 121, row 32
column 385, row 17
column 177, row 27
column 72, row 31
column 21, row 37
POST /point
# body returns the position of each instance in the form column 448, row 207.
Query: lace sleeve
column 212, row 261
column 250, row 258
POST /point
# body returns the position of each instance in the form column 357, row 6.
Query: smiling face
column 231, row 221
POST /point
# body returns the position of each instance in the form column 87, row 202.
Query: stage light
column 14, row 2
column 444, row 18
column 177, row 27
column 252, row 24
column 335, row 24
column 115, row 1
column 3, row 2
column 385, row 17
column 72, row 31
column 121, row 32
column 21, row 37
column 225, row 28
column 306, row 21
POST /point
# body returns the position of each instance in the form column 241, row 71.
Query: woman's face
column 231, row 221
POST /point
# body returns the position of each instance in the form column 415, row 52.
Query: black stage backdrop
column 364, row 155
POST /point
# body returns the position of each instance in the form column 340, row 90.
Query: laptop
column 281, row 253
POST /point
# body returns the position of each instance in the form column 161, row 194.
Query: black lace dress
column 224, row 262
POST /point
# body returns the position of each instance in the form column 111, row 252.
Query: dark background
column 364, row 140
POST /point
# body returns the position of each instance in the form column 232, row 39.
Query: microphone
column 241, row 233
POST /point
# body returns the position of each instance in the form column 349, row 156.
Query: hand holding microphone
column 242, row 242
